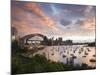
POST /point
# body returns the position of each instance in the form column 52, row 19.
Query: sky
column 75, row 22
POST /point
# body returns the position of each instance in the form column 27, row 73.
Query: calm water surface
column 63, row 54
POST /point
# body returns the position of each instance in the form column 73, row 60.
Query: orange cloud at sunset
column 25, row 20
column 35, row 9
column 44, row 18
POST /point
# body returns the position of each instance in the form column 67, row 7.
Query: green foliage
column 16, row 48
column 39, row 64
column 53, row 67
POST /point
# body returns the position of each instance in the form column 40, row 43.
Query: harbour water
column 80, row 53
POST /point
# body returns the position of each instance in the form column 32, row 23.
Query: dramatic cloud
column 61, row 20
column 45, row 19
column 24, row 20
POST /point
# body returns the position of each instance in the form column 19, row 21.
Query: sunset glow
column 74, row 22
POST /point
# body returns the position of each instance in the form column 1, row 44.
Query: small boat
column 64, row 51
column 94, row 55
column 88, row 49
column 72, row 54
column 92, row 60
column 86, row 53
column 52, row 54
column 64, row 56
column 74, row 57
column 79, row 52
column 84, row 56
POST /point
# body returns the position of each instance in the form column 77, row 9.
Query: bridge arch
column 32, row 37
